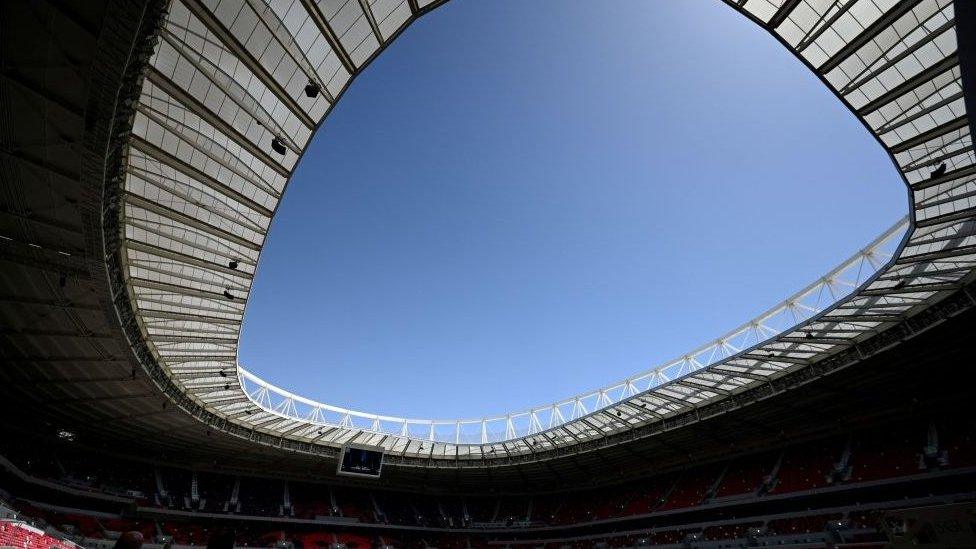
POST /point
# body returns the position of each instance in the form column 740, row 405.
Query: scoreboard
column 359, row 460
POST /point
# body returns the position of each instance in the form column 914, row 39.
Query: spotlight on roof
column 312, row 89
column 232, row 264
column 223, row 373
column 228, row 295
column 226, row 386
column 939, row 172
column 277, row 146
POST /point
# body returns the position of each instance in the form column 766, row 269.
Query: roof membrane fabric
column 236, row 88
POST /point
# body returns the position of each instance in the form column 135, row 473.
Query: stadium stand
column 894, row 455
column 318, row 515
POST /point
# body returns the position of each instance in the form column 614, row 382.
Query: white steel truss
column 234, row 90
column 801, row 306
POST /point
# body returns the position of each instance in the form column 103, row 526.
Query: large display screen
column 361, row 461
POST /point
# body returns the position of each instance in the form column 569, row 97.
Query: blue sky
column 519, row 201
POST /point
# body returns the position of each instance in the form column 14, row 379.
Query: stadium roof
column 223, row 96
column 235, row 89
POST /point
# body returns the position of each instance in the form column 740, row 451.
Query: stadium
column 145, row 148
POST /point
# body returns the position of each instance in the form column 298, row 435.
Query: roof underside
column 227, row 96
column 224, row 115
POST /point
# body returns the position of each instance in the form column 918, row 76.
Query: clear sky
column 519, row 201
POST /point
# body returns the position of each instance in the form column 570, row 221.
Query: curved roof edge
column 216, row 123
column 811, row 301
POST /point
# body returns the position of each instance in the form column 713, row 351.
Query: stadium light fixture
column 312, row 90
column 277, row 146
